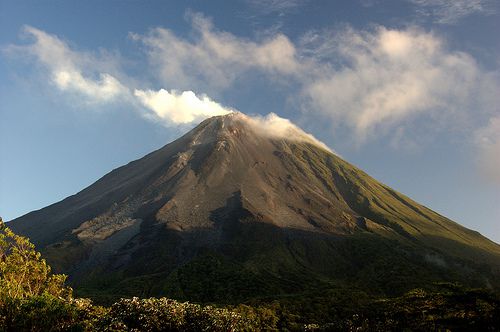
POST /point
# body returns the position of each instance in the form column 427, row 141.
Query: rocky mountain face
column 233, row 211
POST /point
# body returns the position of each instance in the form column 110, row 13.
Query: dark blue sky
column 406, row 90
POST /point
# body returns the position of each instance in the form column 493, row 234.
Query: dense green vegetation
column 272, row 266
column 34, row 299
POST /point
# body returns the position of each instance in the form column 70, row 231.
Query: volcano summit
column 242, row 207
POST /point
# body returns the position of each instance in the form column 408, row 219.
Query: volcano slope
column 231, row 212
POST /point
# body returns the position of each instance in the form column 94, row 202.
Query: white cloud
column 104, row 89
column 82, row 74
column 276, row 6
column 365, row 80
column 179, row 108
column 451, row 11
column 70, row 71
column 384, row 77
column 213, row 60
column 274, row 126
column 488, row 142
column 369, row 82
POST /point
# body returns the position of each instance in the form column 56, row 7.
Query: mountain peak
column 269, row 126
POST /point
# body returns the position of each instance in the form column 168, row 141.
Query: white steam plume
column 173, row 108
column 275, row 126
column 179, row 108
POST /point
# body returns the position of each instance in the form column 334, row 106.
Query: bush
column 162, row 314
column 38, row 313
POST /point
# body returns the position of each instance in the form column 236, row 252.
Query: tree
column 23, row 272
column 31, row 297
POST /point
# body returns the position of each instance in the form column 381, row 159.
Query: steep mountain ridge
column 266, row 212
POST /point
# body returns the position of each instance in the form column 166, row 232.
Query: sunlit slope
column 385, row 206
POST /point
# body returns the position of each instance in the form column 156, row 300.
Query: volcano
column 235, row 210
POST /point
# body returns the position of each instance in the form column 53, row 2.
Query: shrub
column 38, row 313
column 162, row 314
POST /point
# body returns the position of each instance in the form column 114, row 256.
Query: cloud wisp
column 390, row 76
column 276, row 6
column 451, row 11
column 487, row 140
column 83, row 75
column 212, row 60
column 70, row 71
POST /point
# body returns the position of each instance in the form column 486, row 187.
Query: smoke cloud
column 179, row 108
column 274, row 126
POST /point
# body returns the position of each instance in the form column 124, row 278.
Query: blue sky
column 407, row 90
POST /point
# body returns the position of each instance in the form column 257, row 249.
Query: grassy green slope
column 376, row 201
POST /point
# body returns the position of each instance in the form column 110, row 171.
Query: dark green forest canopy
column 34, row 299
